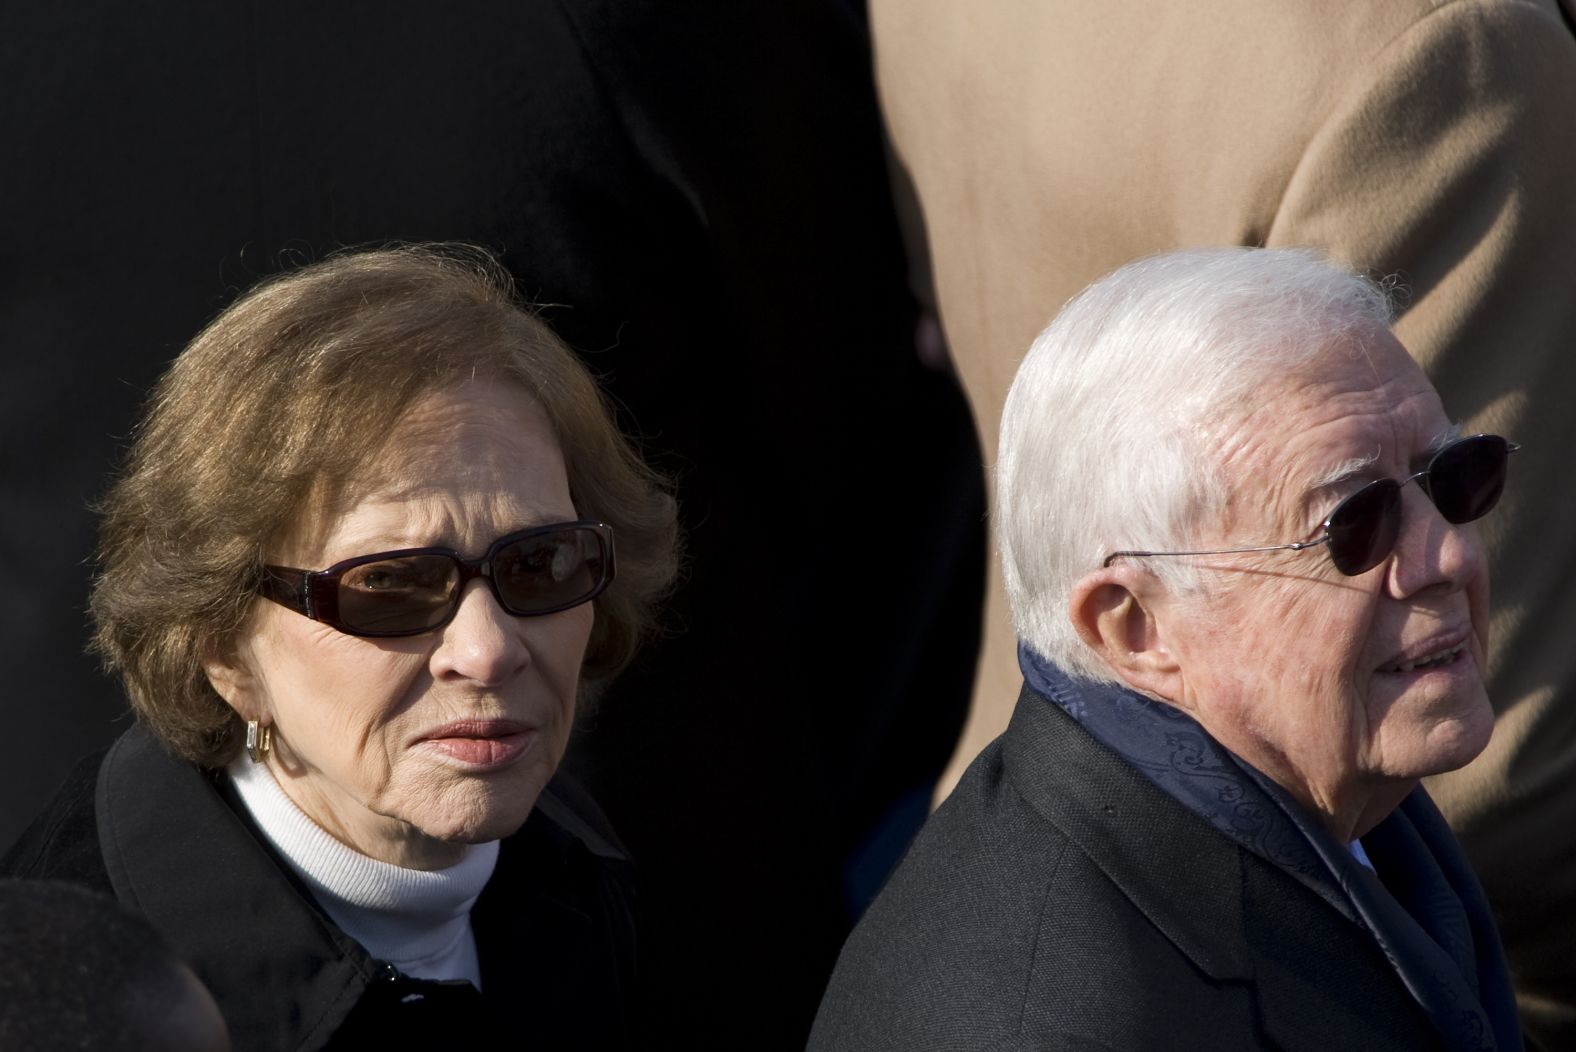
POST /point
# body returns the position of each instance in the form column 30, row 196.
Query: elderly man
column 1051, row 141
column 1237, row 531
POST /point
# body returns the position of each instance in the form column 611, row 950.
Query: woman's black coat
column 554, row 926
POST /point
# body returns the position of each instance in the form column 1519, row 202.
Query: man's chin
column 1453, row 742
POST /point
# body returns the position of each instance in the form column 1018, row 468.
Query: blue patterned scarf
column 1429, row 916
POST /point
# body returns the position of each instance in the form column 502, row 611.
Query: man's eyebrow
column 1444, row 438
column 1342, row 472
column 1358, row 466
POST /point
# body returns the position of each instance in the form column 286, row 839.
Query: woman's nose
column 483, row 643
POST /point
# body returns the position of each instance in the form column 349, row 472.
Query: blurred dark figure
column 79, row 972
column 698, row 191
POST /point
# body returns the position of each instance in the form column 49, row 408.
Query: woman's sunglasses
column 1464, row 480
column 537, row 571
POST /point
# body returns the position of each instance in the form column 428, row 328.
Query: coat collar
column 176, row 852
column 1108, row 809
column 1316, row 976
column 551, row 923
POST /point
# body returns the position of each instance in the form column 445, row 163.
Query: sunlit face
column 408, row 748
column 1304, row 672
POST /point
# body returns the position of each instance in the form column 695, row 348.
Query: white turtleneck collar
column 417, row 920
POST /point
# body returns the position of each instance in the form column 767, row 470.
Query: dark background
column 698, row 189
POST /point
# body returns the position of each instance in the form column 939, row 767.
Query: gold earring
column 259, row 739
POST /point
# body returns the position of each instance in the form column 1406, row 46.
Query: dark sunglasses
column 1464, row 480
column 537, row 571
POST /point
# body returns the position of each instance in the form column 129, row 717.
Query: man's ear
column 1120, row 613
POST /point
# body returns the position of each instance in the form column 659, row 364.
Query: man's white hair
column 1107, row 434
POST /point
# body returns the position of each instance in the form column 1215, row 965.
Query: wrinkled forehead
column 1369, row 381
column 486, row 433
column 1359, row 408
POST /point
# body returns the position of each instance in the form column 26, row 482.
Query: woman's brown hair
column 293, row 387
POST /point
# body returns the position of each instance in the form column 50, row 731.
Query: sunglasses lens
column 1467, row 477
column 1364, row 526
column 393, row 596
column 545, row 572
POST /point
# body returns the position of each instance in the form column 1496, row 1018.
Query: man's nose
column 1431, row 552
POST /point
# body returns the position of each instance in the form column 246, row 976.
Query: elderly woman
column 357, row 571
column 1237, row 530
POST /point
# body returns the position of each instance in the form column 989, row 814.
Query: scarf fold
column 1428, row 916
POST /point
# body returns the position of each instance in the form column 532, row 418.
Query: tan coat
column 1050, row 141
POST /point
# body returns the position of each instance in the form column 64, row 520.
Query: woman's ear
column 232, row 680
column 1122, row 613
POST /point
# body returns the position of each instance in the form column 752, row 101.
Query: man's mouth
column 1437, row 659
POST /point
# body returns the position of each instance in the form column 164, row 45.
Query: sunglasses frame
column 315, row 593
column 1325, row 537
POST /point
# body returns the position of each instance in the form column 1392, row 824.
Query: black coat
column 554, row 926
column 1060, row 900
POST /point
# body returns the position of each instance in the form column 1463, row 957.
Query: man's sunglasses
column 537, row 571
column 1464, row 480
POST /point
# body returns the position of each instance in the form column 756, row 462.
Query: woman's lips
column 479, row 743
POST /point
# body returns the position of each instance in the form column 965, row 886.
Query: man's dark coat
column 1058, row 899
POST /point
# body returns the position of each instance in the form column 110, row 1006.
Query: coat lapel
column 1110, row 812
column 285, row 979
column 1317, row 979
